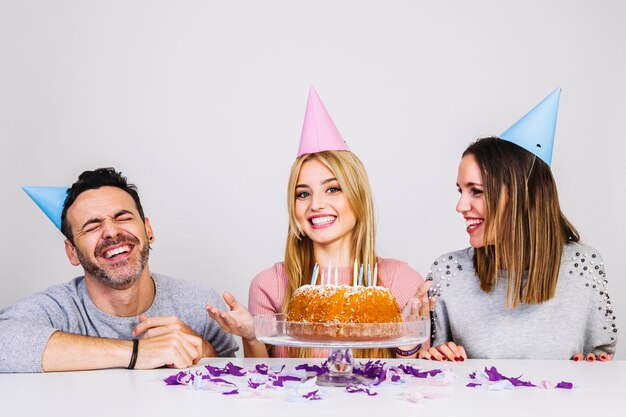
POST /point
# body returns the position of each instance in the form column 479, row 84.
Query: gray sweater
column 26, row 326
column 578, row 319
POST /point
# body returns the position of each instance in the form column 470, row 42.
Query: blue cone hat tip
column 50, row 200
column 535, row 131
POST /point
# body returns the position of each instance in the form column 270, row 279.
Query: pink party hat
column 319, row 133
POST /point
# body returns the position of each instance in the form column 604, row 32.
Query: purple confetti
column 564, row 385
column 319, row 370
column 181, row 378
column 235, row 370
column 360, row 388
column 282, row 368
column 313, row 395
column 235, row 391
column 495, row 376
column 382, row 376
column 262, row 368
column 519, row 383
column 372, row 370
column 473, row 384
column 254, row 385
column 410, row 370
column 215, row 371
column 280, row 380
column 229, row 369
column 395, row 378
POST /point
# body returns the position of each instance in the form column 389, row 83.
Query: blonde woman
column 331, row 220
column 526, row 287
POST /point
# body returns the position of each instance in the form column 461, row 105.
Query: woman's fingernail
column 590, row 357
column 575, row 358
column 456, row 359
column 462, row 359
column 602, row 357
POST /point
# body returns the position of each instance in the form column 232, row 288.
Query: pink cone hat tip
column 319, row 132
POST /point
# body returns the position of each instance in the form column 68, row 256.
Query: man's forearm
column 71, row 352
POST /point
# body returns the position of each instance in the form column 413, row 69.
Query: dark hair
column 91, row 180
column 524, row 218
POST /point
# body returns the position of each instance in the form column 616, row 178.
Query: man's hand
column 153, row 327
column 176, row 350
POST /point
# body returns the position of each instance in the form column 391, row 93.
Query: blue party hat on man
column 535, row 131
column 50, row 200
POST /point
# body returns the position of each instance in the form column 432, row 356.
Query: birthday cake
column 343, row 312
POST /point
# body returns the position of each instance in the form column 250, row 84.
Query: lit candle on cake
column 361, row 275
column 354, row 273
column 376, row 274
column 329, row 274
column 316, row 269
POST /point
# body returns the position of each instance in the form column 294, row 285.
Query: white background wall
column 200, row 103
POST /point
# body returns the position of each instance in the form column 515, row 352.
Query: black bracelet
column 133, row 357
column 408, row 352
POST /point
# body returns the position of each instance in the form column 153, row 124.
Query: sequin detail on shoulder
column 588, row 269
column 441, row 273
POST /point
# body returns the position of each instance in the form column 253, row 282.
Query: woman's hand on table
column 446, row 352
column 590, row 357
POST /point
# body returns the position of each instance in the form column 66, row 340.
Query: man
column 119, row 315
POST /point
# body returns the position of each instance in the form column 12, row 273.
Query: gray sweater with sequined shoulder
column 578, row 319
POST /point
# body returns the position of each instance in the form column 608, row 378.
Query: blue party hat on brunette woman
column 535, row 131
column 50, row 200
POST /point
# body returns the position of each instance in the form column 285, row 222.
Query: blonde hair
column 523, row 222
column 299, row 258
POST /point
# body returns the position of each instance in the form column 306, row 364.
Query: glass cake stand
column 340, row 338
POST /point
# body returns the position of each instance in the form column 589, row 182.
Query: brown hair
column 524, row 219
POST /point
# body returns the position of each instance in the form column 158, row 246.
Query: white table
column 600, row 389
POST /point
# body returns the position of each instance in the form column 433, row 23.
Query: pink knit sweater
column 267, row 290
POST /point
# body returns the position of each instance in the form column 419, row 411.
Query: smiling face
column 322, row 210
column 472, row 204
column 110, row 238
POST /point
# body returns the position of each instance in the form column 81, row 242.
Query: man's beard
column 112, row 279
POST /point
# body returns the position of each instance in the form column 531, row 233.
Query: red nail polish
column 576, row 358
column 462, row 359
column 590, row 358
